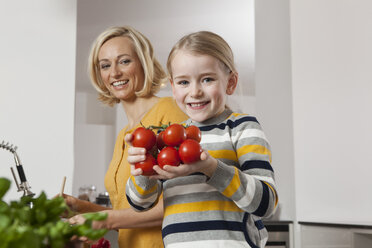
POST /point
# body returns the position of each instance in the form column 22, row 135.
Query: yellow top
column 165, row 111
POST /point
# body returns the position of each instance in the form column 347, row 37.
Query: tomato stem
column 162, row 127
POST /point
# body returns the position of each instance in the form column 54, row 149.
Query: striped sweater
column 224, row 210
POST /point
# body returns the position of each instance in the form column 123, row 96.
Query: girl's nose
column 196, row 90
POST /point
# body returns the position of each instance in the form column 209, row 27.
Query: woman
column 124, row 71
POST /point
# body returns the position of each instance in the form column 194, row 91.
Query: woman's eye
column 125, row 61
column 104, row 66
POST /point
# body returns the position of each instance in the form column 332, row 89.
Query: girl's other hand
column 135, row 155
column 128, row 138
column 135, row 172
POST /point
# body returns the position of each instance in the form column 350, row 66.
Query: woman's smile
column 119, row 83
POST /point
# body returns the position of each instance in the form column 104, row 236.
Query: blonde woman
column 124, row 71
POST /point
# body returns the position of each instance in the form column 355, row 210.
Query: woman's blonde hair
column 204, row 42
column 154, row 74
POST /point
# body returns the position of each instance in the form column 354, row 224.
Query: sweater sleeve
column 143, row 193
column 251, row 184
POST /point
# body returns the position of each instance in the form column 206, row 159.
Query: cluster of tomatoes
column 174, row 145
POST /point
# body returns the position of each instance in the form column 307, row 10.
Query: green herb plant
column 41, row 225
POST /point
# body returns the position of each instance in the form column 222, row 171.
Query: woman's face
column 121, row 70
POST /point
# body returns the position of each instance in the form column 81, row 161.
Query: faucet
column 23, row 186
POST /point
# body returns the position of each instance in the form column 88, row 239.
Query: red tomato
column 174, row 135
column 168, row 156
column 143, row 137
column 147, row 165
column 193, row 132
column 190, row 151
column 102, row 243
column 159, row 141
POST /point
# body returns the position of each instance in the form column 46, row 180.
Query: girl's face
column 120, row 69
column 200, row 84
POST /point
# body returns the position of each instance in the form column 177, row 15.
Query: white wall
column 94, row 141
column 164, row 22
column 274, row 95
column 37, row 68
column 332, row 99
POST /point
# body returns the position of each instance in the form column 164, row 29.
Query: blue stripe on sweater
column 229, row 123
column 202, row 226
column 256, row 164
column 246, row 232
column 139, row 208
column 264, row 204
column 259, row 224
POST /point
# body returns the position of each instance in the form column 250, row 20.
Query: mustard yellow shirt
column 165, row 111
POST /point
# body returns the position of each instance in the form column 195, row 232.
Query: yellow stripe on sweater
column 233, row 186
column 254, row 148
column 140, row 190
column 201, row 206
column 236, row 115
column 227, row 154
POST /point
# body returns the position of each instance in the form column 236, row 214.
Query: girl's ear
column 232, row 83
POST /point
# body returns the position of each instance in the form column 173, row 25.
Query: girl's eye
column 183, row 82
column 206, row 80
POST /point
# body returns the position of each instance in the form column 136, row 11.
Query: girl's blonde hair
column 154, row 74
column 204, row 42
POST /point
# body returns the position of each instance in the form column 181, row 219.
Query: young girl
column 219, row 200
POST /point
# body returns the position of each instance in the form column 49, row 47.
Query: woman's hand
column 73, row 203
column 80, row 206
column 79, row 219
column 206, row 165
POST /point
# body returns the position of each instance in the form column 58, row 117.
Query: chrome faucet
column 23, row 186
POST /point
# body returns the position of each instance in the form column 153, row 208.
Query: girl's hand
column 128, row 138
column 135, row 155
column 207, row 165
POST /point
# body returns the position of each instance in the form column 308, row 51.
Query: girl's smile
column 198, row 105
